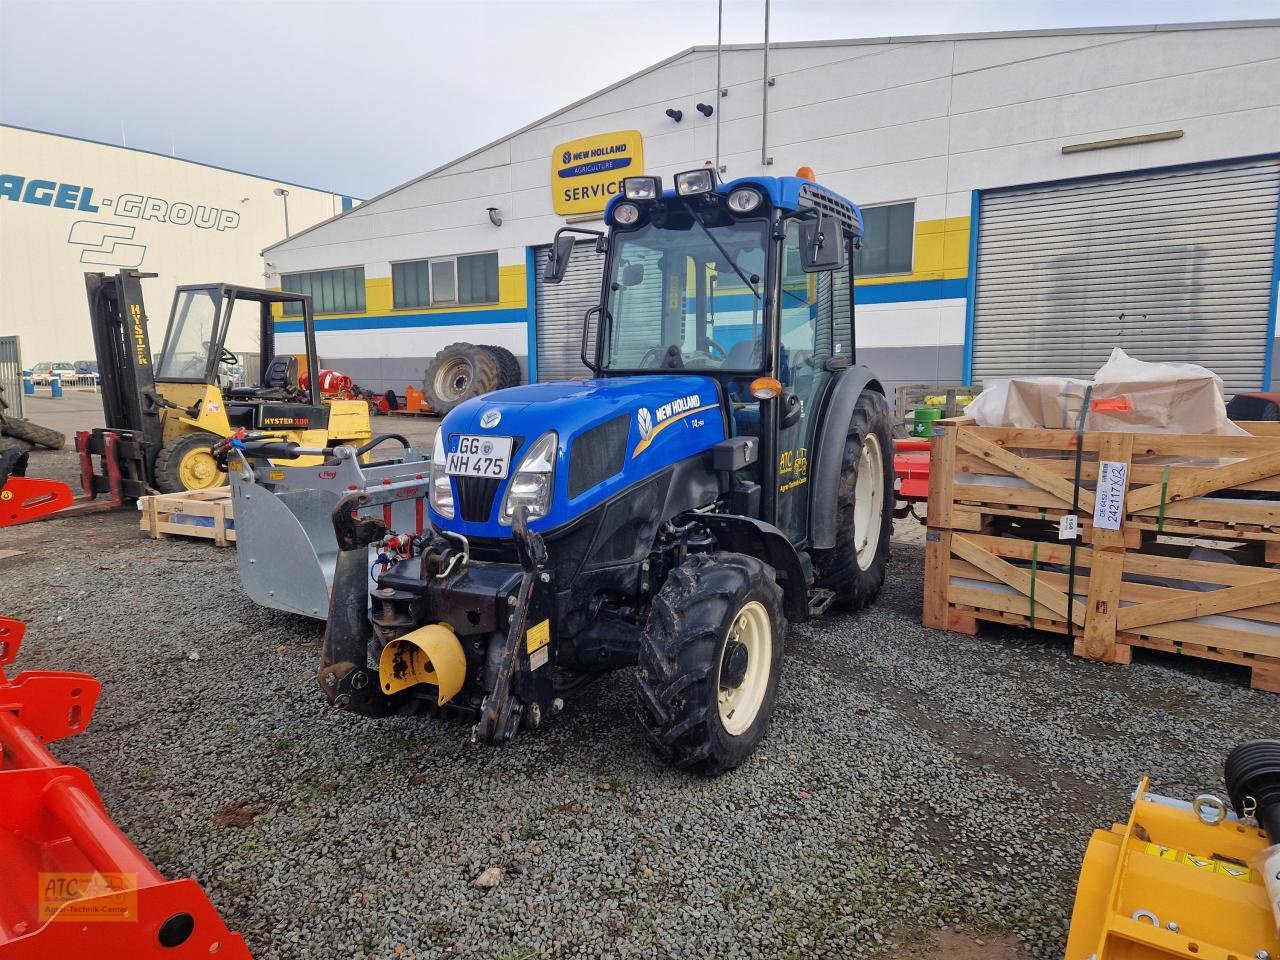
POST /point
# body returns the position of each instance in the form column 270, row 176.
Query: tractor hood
column 611, row 433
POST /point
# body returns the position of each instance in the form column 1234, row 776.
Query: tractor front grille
column 476, row 494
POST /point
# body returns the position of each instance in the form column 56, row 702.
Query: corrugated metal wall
column 1169, row 265
column 560, row 309
column 11, row 374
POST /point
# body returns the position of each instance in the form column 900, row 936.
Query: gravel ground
column 918, row 792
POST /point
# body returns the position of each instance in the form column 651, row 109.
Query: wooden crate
column 992, row 554
column 195, row 513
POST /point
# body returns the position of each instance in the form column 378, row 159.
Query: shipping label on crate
column 1108, row 508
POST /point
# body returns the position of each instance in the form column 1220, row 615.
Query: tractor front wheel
column 710, row 658
column 188, row 464
column 854, row 571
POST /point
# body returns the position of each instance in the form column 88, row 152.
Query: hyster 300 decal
column 651, row 424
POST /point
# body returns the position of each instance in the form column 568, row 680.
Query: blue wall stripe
column 531, row 311
column 971, row 283
column 908, row 292
column 402, row 321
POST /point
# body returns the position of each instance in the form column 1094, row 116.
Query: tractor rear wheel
column 508, row 366
column 188, row 464
column 710, row 657
column 32, row 433
column 459, row 372
column 855, row 570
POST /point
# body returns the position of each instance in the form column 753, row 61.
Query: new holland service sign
column 587, row 173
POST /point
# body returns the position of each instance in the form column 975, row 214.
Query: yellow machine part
column 348, row 419
column 430, row 654
column 1165, row 884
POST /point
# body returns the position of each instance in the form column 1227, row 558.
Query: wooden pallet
column 992, row 553
column 195, row 513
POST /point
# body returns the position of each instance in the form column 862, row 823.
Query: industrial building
column 68, row 206
column 1031, row 200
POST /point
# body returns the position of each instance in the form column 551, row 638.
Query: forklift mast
column 123, row 348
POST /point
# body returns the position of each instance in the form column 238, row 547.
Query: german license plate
column 478, row 457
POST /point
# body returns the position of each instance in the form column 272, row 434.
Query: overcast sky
column 358, row 97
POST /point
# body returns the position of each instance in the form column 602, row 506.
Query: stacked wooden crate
column 997, row 497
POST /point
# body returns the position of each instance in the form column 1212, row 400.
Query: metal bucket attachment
column 285, row 546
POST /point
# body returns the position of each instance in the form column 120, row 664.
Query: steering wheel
column 654, row 353
column 712, row 345
column 229, row 358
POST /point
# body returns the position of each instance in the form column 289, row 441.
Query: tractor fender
column 833, row 428
column 764, row 541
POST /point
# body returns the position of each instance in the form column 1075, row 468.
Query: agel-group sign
column 587, row 173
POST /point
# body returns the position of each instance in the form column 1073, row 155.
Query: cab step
column 819, row 600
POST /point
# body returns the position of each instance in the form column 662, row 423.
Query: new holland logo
column 644, row 420
column 490, row 419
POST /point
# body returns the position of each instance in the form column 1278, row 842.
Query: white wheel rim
column 740, row 705
column 868, row 501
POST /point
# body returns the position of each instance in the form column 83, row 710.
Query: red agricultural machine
column 72, row 884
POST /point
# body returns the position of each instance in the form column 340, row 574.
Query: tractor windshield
column 686, row 295
column 192, row 333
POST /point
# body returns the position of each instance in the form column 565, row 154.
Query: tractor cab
column 726, row 471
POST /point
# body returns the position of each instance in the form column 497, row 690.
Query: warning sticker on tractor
column 1211, row 864
column 275, row 474
column 537, row 636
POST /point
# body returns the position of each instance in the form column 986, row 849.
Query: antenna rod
column 719, row 94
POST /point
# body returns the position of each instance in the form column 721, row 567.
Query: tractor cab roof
column 783, row 193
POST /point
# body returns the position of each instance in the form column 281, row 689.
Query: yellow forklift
column 164, row 413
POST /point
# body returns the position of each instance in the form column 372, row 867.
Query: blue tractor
column 727, row 470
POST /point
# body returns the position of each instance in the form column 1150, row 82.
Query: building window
column 409, row 285
column 888, row 239
column 440, row 281
column 331, row 291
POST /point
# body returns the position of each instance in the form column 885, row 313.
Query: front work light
column 642, row 188
column 693, row 182
column 532, row 484
column 744, row 200
column 626, row 214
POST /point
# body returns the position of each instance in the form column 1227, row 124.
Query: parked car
column 87, row 372
column 42, row 373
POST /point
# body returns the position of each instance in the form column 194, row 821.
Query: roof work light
column 694, row 182
column 642, row 188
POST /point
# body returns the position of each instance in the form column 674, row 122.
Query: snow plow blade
column 73, row 885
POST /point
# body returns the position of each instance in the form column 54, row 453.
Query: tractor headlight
column 441, row 485
column 744, row 200
column 532, row 483
column 626, row 214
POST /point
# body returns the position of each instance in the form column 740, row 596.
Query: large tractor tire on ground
column 459, row 372
column 854, row 571
column 188, row 464
column 32, row 433
column 710, row 658
column 508, row 365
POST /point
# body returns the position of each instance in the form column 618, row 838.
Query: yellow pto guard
column 430, row 654
column 1177, row 880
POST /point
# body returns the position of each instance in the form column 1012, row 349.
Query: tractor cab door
column 815, row 341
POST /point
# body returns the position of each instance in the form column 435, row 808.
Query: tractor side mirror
column 558, row 262
column 632, row 274
column 821, row 244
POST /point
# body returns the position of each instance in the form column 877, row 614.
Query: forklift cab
column 205, row 318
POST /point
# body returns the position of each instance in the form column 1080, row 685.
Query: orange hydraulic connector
column 73, row 885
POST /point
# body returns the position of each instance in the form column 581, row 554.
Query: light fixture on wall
column 674, row 114
column 283, row 194
column 494, row 216
column 706, row 109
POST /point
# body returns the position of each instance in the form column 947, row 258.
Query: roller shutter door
column 560, row 309
column 1169, row 265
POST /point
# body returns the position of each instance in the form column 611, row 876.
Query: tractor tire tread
column 486, row 375
column 676, row 703
column 32, row 433
column 508, row 365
